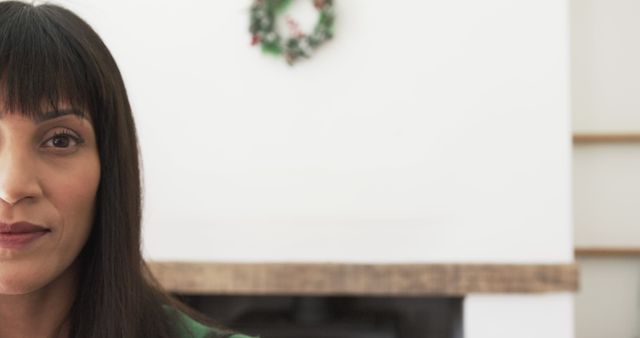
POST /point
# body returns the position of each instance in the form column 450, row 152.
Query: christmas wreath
column 299, row 45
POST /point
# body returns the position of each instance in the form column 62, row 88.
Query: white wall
column 606, row 192
column 437, row 130
column 605, row 67
column 608, row 304
column 428, row 131
column 521, row 316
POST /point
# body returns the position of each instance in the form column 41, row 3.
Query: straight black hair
column 49, row 56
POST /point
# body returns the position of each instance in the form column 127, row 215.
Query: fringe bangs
column 41, row 66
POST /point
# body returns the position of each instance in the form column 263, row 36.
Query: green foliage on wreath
column 264, row 32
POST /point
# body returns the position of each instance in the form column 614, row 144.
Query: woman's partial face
column 49, row 175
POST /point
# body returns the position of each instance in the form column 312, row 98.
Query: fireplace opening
column 334, row 317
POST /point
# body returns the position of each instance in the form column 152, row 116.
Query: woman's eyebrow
column 49, row 115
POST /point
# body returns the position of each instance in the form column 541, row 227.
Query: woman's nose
column 18, row 179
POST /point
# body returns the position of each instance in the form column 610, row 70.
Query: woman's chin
column 16, row 287
column 22, row 280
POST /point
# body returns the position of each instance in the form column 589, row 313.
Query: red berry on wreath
column 255, row 39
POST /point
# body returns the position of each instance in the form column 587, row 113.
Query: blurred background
column 432, row 133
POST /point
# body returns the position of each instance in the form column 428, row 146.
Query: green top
column 189, row 328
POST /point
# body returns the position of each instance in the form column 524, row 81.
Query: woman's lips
column 20, row 234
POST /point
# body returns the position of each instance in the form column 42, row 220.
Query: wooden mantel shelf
column 363, row 279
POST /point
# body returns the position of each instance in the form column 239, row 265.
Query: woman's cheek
column 81, row 188
column 73, row 193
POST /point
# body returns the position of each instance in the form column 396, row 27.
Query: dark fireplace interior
column 334, row 317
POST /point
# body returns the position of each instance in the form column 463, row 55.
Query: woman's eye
column 63, row 140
